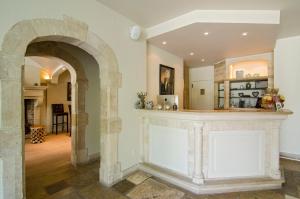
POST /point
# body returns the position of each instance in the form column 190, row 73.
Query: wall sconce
column 47, row 76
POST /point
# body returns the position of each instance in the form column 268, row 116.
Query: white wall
column 157, row 56
column 203, row 75
column 57, row 94
column 113, row 29
column 31, row 75
column 287, row 74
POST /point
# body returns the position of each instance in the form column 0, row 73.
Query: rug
column 151, row 189
column 138, row 177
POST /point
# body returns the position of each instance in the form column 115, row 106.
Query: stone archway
column 11, row 123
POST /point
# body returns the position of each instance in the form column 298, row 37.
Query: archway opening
column 70, row 78
column 47, row 140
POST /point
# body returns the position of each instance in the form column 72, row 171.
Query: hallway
column 50, row 175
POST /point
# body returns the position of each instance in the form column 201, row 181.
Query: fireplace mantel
column 35, row 92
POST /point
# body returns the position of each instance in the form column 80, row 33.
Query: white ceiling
column 47, row 64
column 148, row 13
column 224, row 40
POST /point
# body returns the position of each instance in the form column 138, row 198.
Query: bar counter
column 213, row 151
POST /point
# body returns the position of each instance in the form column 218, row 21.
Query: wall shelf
column 244, row 97
column 261, row 78
column 247, row 89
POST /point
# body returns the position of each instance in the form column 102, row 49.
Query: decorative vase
column 142, row 97
column 248, row 85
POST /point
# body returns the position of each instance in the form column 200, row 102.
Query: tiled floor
column 49, row 175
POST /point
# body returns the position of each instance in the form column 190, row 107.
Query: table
column 38, row 134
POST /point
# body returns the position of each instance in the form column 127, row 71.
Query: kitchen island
column 213, row 151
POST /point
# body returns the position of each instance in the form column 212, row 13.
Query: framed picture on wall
column 166, row 80
column 69, row 92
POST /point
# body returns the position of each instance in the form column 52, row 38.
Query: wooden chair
column 58, row 112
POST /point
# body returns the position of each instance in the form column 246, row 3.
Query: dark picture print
column 166, row 80
column 69, row 92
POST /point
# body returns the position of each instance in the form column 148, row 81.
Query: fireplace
column 33, row 105
column 29, row 114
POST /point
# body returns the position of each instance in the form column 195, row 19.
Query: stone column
column 110, row 168
column 274, row 160
column 198, row 177
column 82, row 122
column 11, row 125
column 145, row 139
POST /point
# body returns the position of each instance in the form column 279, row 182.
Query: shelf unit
column 227, row 91
column 238, row 87
column 252, row 68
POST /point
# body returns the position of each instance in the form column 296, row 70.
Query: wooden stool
column 37, row 134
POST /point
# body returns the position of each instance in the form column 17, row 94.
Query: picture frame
column 69, row 91
column 166, row 80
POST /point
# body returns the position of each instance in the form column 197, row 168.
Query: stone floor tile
column 138, row 177
column 46, row 169
column 124, row 186
column 68, row 193
column 56, row 187
column 96, row 191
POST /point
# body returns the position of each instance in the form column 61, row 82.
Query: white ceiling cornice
column 215, row 16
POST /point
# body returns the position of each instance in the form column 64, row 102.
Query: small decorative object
column 35, row 84
column 166, row 80
column 239, row 74
column 248, row 85
column 149, row 105
column 255, row 93
column 242, row 104
column 273, row 100
column 159, row 107
column 278, row 106
column 241, row 94
column 175, row 107
column 167, row 107
column 142, row 97
column 138, row 104
column 248, row 75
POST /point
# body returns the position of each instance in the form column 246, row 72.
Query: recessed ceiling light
column 203, row 60
column 244, row 34
column 206, row 33
column 164, row 42
column 192, row 53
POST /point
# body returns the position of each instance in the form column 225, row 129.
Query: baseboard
column 130, row 170
column 213, row 186
column 94, row 157
column 290, row 156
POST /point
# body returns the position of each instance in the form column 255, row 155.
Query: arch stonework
column 12, row 55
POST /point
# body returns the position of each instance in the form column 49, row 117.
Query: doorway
column 202, row 95
column 73, row 33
